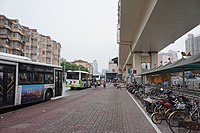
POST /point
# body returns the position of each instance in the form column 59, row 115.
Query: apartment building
column 12, row 39
column 21, row 40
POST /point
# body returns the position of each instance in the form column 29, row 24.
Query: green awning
column 188, row 64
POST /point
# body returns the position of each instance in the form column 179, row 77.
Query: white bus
column 23, row 81
column 96, row 78
column 78, row 79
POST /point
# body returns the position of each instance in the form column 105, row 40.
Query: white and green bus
column 78, row 79
column 23, row 81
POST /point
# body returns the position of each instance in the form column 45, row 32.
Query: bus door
column 58, row 83
column 7, row 85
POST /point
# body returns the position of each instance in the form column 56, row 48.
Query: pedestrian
column 95, row 83
column 104, row 84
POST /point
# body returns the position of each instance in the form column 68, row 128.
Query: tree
column 69, row 66
column 82, row 68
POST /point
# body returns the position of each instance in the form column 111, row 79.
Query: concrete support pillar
column 124, row 75
column 153, row 60
column 139, row 58
column 128, row 67
column 137, row 62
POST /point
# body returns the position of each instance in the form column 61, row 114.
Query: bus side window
column 38, row 78
column 38, row 74
column 25, row 74
column 49, row 79
column 24, row 78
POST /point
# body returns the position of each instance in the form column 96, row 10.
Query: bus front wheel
column 48, row 95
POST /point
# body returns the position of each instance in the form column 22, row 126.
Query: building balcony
column 6, row 26
column 17, row 52
column 35, row 44
column 55, row 63
column 49, row 46
column 18, row 40
column 55, row 58
column 28, row 33
column 28, row 51
column 5, row 36
column 3, row 45
column 48, row 58
column 17, row 48
column 15, row 39
column 35, row 52
column 56, row 53
column 18, row 31
column 28, row 44
column 48, row 55
column 49, row 50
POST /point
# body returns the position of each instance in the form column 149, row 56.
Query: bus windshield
column 95, row 76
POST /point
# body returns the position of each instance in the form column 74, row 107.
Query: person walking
column 95, row 83
column 104, row 84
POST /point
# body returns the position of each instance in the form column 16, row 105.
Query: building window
column 4, row 50
column 28, row 48
column 14, row 34
column 43, row 59
column 15, row 26
column 3, row 31
column 5, row 22
column 43, row 52
column 27, row 39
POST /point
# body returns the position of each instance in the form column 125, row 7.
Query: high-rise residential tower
column 197, row 44
column 192, row 44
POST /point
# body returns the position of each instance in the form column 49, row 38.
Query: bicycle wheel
column 167, row 114
column 176, row 120
column 156, row 118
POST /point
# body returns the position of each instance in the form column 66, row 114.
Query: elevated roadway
column 145, row 27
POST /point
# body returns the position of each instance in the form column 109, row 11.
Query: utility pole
column 64, row 71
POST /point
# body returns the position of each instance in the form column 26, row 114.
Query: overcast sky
column 86, row 29
column 179, row 44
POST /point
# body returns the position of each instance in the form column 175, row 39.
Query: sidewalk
column 101, row 110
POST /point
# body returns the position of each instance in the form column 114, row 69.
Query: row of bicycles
column 180, row 112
